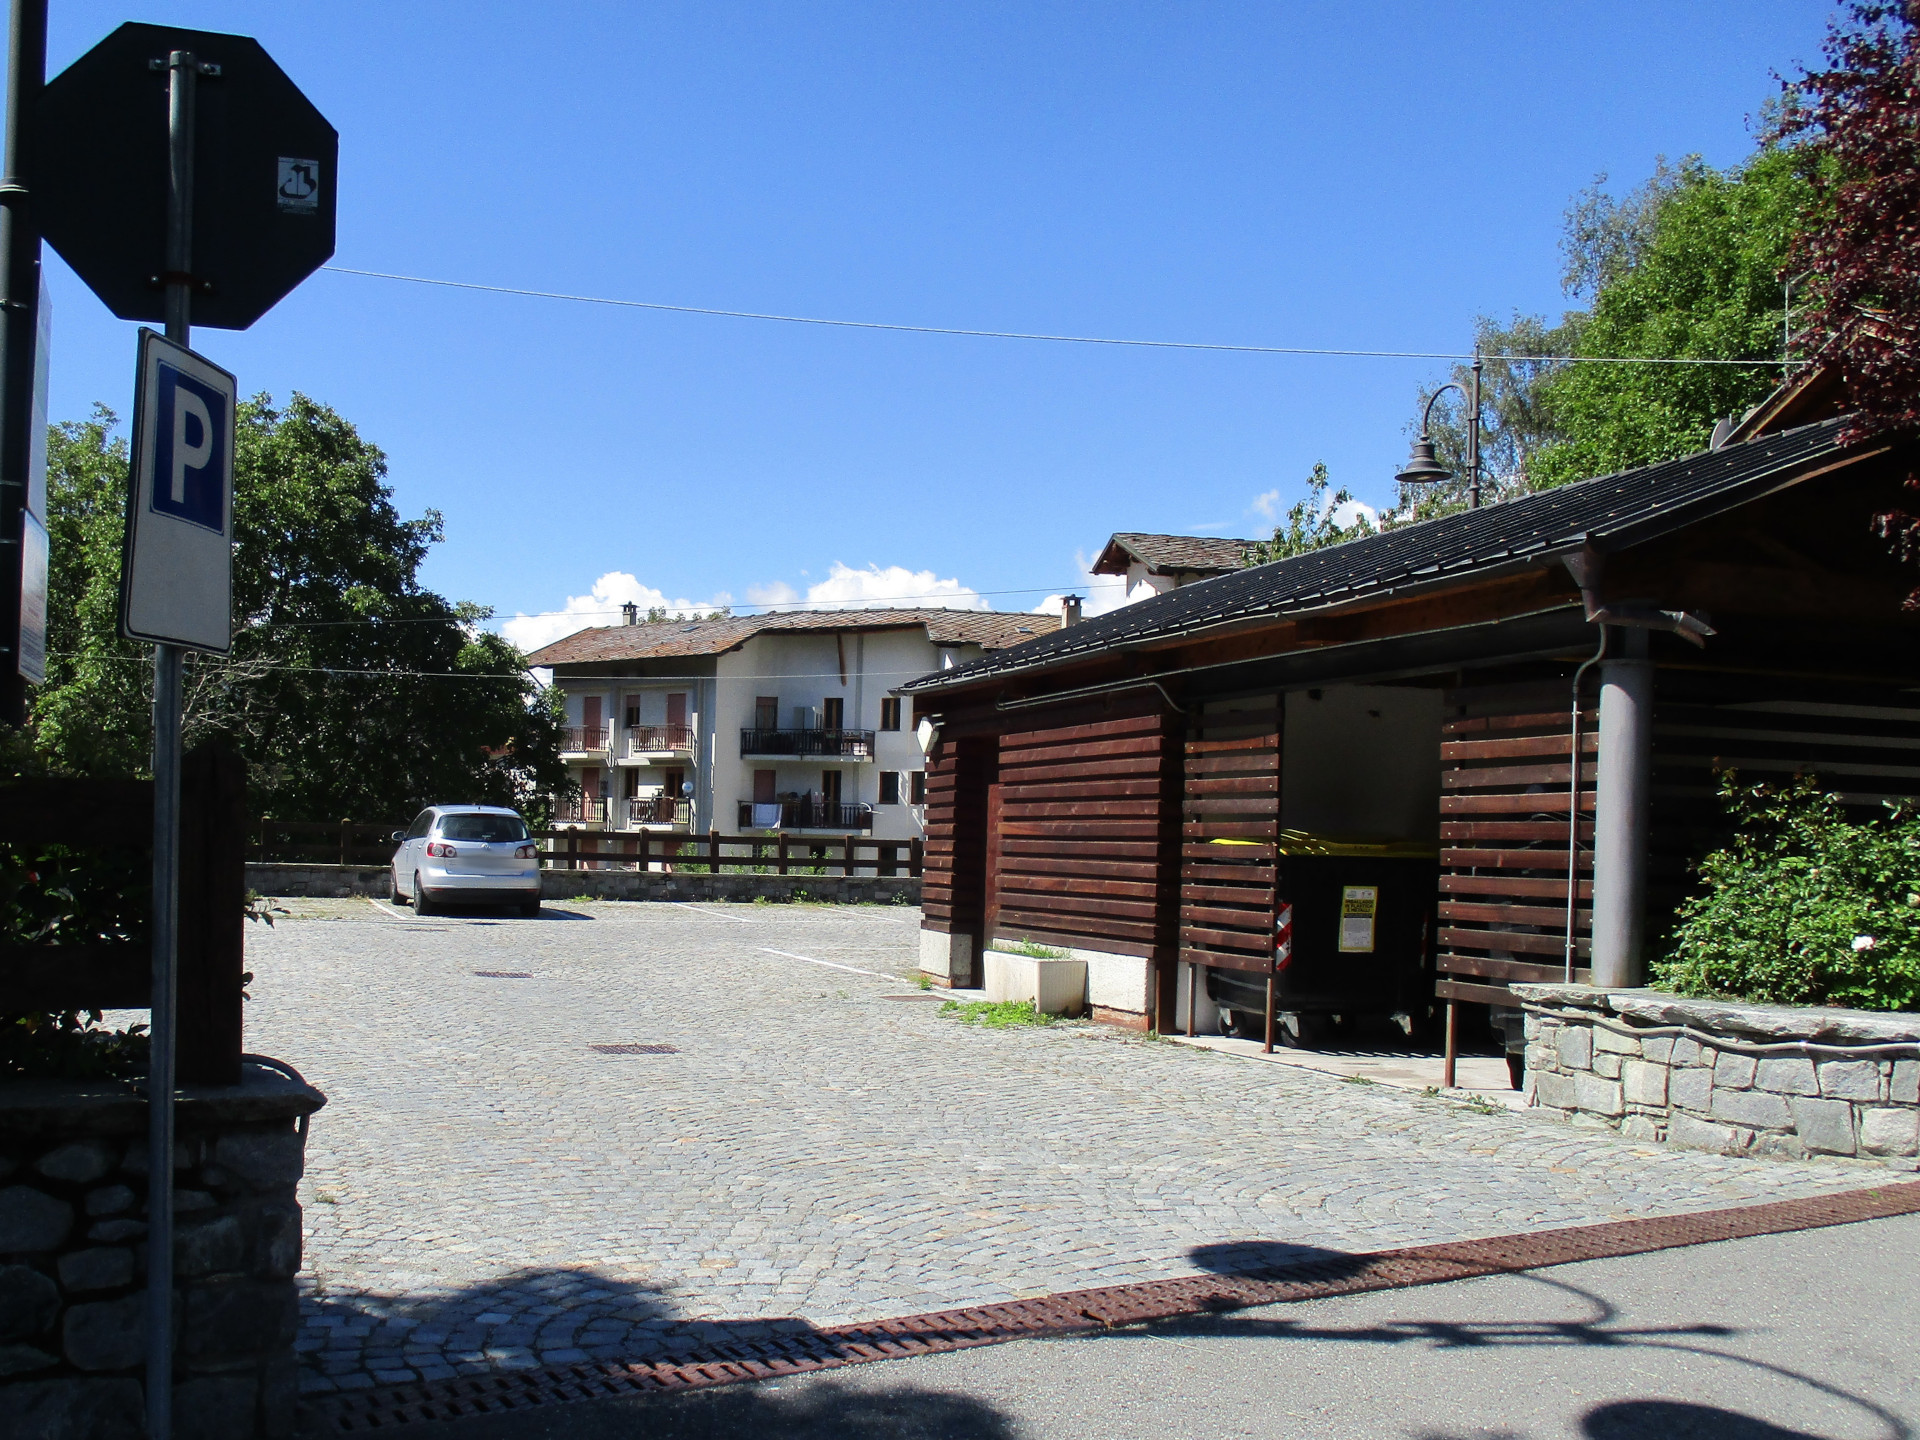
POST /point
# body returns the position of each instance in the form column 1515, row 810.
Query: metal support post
column 1622, row 785
column 19, row 324
column 1453, row 1046
column 1272, row 976
column 1473, row 436
column 182, row 74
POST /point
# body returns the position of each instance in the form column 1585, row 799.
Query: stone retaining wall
column 310, row 881
column 73, row 1185
column 1731, row 1078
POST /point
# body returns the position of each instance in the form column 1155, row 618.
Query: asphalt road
column 1814, row 1334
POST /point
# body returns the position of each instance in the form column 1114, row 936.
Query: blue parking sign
column 191, row 431
column 176, row 573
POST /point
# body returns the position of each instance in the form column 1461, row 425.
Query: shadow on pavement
column 1274, row 1259
column 816, row 1409
column 1678, row 1420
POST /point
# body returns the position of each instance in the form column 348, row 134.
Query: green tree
column 1691, row 269
column 351, row 690
column 1312, row 523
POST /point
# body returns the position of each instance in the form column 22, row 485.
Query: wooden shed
column 1128, row 789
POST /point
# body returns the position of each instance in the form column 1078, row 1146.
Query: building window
column 918, row 787
column 766, row 712
column 889, row 787
column 890, row 713
column 833, row 712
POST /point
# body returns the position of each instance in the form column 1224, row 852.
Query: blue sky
column 1319, row 174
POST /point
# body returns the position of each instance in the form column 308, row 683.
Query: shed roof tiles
column 1612, row 511
column 1170, row 554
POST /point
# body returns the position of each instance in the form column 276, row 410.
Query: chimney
column 629, row 614
column 1069, row 610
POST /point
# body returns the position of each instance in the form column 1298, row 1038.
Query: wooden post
column 783, row 852
column 213, row 889
column 646, row 851
column 1193, row 974
column 1272, row 975
column 713, row 852
column 1453, row 1045
column 916, row 858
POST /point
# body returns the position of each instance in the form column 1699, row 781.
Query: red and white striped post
column 1282, row 957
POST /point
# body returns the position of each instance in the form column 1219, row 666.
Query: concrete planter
column 73, row 1184
column 1727, row 1077
column 1053, row 987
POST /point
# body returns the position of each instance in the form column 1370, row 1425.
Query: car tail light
column 440, row 850
column 526, row 852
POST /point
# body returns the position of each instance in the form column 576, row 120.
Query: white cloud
column 1353, row 510
column 875, row 586
column 600, row 607
column 1267, row 504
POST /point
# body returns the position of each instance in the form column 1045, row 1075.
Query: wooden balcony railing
column 841, row 744
column 806, row 815
column 654, row 739
column 583, row 737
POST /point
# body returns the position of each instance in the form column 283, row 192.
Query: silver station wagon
column 466, row 854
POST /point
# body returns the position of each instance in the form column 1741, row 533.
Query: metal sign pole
column 19, row 297
column 182, row 72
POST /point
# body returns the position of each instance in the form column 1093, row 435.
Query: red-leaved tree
column 1856, row 123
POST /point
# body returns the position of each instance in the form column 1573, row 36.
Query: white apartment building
column 759, row 722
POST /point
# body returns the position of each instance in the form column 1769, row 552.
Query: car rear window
column 480, row 828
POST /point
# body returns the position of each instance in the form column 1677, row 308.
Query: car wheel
column 397, row 897
column 531, row 908
column 421, row 904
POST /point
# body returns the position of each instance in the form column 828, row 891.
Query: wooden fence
column 118, row 815
column 714, row 853
column 321, row 842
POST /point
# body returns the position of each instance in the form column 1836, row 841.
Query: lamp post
column 1423, row 468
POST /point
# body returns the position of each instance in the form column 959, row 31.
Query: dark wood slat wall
column 953, row 884
column 1868, row 754
column 1232, row 794
column 1079, row 835
column 1505, row 755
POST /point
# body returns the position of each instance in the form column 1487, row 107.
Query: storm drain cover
column 504, row 974
column 631, row 1049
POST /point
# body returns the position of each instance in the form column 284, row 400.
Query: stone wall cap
column 35, row 1108
column 1827, row 1024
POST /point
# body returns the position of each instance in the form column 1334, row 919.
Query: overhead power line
column 1022, row 334
column 337, row 670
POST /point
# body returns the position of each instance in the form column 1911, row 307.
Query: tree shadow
column 820, row 1408
column 1679, row 1420
column 538, row 1318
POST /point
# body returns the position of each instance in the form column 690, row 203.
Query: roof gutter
column 1587, row 565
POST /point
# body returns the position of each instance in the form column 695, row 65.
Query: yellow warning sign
column 1359, row 904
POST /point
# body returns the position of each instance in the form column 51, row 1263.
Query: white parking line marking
column 710, row 914
column 831, row 965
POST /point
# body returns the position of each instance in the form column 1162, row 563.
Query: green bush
column 1804, row 907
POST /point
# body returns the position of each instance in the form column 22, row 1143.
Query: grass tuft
column 995, row 1014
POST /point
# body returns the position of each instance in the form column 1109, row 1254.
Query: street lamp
column 1424, row 468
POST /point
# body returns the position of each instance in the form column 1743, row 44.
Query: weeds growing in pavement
column 995, row 1014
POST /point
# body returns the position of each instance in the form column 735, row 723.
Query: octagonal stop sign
column 264, row 171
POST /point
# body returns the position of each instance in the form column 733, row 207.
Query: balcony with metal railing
column 580, row 810
column 644, row 740
column 805, row 815
column 658, row 810
column 809, row 744
column 583, row 739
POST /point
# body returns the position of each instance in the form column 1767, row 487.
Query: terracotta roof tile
column 667, row 639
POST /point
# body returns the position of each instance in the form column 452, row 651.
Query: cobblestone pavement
column 822, row 1145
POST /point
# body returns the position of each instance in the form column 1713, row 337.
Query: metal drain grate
column 504, row 974
column 1080, row 1311
column 636, row 1049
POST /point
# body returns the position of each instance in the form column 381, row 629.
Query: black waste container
column 1363, row 937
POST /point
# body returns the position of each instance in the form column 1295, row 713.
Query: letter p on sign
column 175, row 588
